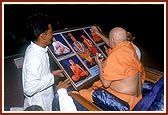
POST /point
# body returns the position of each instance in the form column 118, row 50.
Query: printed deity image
column 81, row 49
column 59, row 46
column 94, row 36
column 74, row 50
column 75, row 68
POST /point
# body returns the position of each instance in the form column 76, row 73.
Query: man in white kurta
column 37, row 84
column 37, row 79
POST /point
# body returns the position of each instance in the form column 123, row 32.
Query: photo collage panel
column 74, row 50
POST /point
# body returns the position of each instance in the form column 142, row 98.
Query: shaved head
column 118, row 34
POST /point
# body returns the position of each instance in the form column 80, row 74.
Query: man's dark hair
column 38, row 23
column 34, row 108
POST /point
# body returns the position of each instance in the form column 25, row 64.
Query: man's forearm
column 105, row 39
column 105, row 83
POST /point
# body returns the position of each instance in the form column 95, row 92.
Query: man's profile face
column 49, row 35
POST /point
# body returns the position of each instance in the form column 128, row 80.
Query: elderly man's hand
column 96, row 31
column 98, row 60
column 63, row 84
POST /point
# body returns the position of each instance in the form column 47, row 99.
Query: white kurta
column 138, row 52
column 65, row 101
column 37, row 78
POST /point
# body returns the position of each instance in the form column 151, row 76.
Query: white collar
column 39, row 47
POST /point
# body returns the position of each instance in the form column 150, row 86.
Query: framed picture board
column 73, row 50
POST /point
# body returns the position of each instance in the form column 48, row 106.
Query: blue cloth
column 149, row 99
column 147, row 87
column 107, row 101
column 55, row 103
column 158, row 104
column 153, row 98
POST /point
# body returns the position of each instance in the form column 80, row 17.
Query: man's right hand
column 96, row 31
column 63, row 84
column 58, row 73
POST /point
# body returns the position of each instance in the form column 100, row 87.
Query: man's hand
column 96, row 31
column 63, row 84
column 58, row 73
column 97, row 60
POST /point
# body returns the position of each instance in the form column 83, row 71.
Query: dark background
column 146, row 21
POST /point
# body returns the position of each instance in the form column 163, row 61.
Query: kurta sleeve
column 65, row 101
